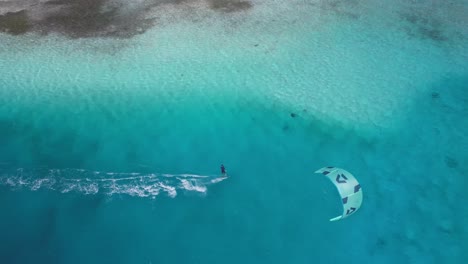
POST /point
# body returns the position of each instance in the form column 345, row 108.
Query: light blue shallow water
column 110, row 149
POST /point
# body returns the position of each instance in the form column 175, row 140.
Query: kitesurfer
column 223, row 170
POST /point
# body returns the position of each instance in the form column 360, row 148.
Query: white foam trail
column 192, row 186
column 171, row 190
column 109, row 183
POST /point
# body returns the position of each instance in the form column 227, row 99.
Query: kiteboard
column 220, row 178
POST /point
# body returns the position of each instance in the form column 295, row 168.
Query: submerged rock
column 451, row 162
column 446, row 226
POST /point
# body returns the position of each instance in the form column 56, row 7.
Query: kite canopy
column 348, row 187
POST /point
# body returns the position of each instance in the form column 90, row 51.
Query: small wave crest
column 109, row 183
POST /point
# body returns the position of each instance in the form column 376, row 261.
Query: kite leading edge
column 348, row 187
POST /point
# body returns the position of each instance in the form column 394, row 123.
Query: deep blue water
column 110, row 148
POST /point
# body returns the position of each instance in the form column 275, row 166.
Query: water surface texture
column 116, row 115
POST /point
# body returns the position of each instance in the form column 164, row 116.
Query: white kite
column 348, row 187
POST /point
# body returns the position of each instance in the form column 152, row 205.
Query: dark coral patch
column 229, row 6
column 96, row 18
column 15, row 23
column 424, row 27
column 92, row 18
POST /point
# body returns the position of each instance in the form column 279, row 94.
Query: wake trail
column 109, row 183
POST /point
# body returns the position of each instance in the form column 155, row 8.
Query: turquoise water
column 110, row 148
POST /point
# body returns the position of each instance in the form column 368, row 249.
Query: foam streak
column 109, row 183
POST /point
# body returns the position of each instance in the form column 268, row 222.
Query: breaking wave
column 109, row 183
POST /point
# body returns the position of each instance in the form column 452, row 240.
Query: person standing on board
column 223, row 170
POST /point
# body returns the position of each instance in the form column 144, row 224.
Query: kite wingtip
column 325, row 169
column 336, row 218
